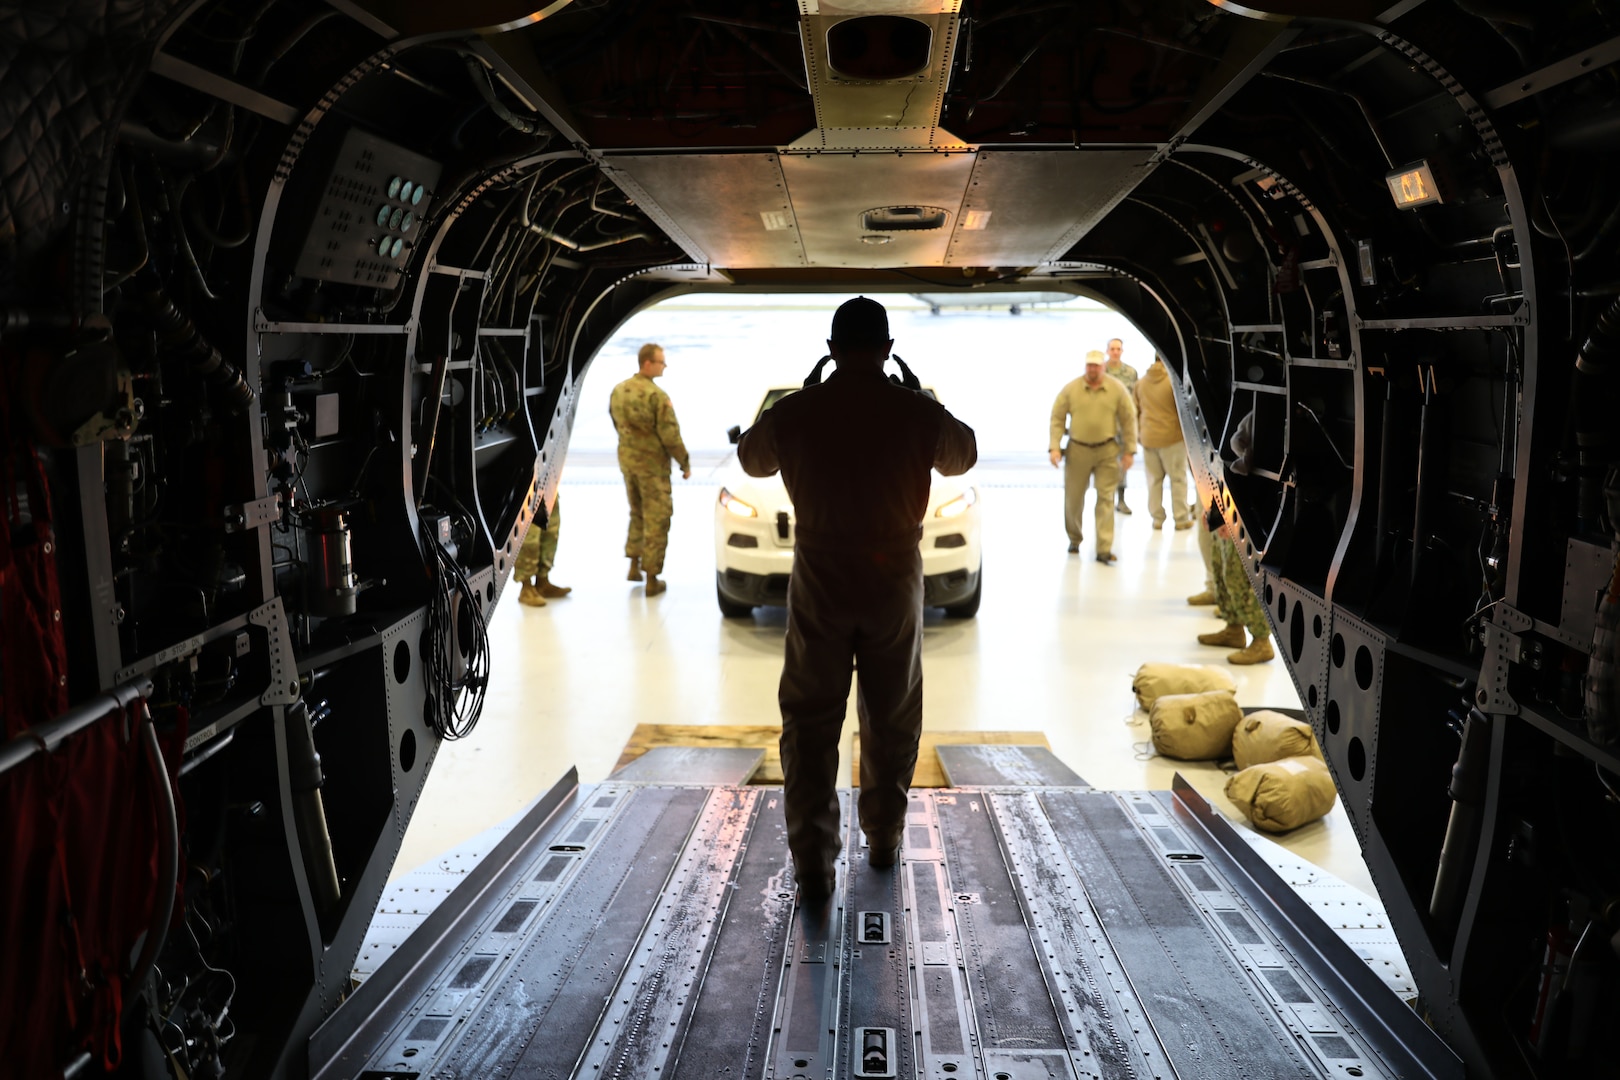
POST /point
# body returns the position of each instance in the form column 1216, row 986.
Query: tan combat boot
column 654, row 586
column 553, row 592
column 1203, row 599
column 1232, row 637
column 531, row 595
column 1258, row 652
column 635, row 568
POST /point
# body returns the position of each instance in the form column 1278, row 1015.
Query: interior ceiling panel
column 734, row 207
column 832, row 192
column 1018, row 202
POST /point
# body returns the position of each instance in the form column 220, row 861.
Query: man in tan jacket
column 1163, row 448
column 1092, row 408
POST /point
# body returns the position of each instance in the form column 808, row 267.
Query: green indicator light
column 416, row 196
column 407, row 222
column 382, row 215
column 393, row 221
column 393, row 187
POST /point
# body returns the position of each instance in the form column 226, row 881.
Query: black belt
column 1091, row 445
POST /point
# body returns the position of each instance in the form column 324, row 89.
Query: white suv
column 754, row 534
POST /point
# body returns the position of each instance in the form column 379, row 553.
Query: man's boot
column 1203, row 599
column 553, row 592
column 1258, row 652
column 1119, row 504
column 531, row 595
column 635, row 568
column 1232, row 637
column 654, row 586
column 883, row 851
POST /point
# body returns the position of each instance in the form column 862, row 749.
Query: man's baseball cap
column 860, row 322
column 1095, row 356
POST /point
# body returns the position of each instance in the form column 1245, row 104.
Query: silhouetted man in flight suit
column 855, row 453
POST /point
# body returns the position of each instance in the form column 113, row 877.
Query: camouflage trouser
column 651, row 506
column 1235, row 601
column 539, row 550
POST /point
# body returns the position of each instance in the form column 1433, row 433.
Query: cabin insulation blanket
column 1153, row 681
column 1195, row 727
column 1282, row 795
column 1264, row 736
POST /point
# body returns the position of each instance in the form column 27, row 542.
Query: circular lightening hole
column 878, row 48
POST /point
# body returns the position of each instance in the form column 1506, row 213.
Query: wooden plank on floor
column 929, row 773
column 760, row 736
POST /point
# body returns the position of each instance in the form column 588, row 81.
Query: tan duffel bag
column 1195, row 727
column 1283, row 795
column 1153, row 681
column 1264, row 736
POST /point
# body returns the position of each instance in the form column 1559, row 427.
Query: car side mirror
column 733, row 434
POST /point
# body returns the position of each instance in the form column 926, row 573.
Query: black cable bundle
column 452, row 707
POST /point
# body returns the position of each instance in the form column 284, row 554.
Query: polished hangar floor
column 1052, row 649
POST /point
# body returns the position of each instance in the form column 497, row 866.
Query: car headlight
column 958, row 505
column 736, row 505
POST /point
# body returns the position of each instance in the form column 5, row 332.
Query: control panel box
column 368, row 214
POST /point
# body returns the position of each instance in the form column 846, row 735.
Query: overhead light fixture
column 975, row 220
column 876, row 238
column 1413, row 186
column 776, row 220
column 904, row 218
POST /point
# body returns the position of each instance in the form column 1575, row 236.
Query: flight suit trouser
column 1166, row 462
column 651, row 506
column 849, row 610
column 1083, row 465
column 1235, row 601
column 538, row 552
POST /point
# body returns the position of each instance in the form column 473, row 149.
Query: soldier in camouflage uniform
column 1126, row 374
column 649, row 437
column 535, row 558
column 1236, row 603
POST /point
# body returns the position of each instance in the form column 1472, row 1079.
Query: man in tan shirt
column 1092, row 408
column 1162, row 444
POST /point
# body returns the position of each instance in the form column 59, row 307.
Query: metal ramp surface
column 643, row 930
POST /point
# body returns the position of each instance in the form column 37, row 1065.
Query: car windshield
column 776, row 394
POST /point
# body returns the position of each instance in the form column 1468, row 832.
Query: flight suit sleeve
column 669, row 433
column 1127, row 423
column 756, row 450
column 1060, row 419
column 957, row 450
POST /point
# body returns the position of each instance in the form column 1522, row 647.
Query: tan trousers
column 848, row 610
column 1081, row 466
column 1167, row 461
column 1206, row 548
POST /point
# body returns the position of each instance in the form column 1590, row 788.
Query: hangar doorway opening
column 1051, row 650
